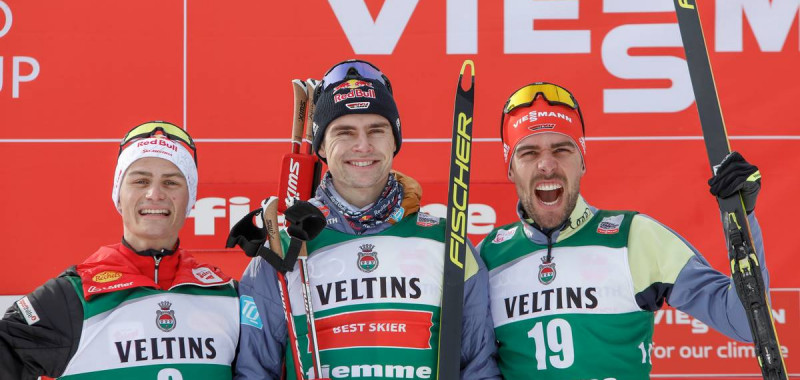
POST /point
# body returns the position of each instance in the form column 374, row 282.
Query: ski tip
column 468, row 62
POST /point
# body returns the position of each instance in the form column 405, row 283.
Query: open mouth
column 150, row 211
column 549, row 193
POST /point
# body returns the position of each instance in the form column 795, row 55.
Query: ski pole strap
column 252, row 240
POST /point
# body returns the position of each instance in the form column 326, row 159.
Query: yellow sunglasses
column 159, row 128
column 525, row 96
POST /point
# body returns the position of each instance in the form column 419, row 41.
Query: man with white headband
column 143, row 308
column 573, row 289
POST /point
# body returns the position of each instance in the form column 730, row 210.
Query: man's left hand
column 736, row 174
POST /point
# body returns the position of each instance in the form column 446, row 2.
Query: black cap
column 354, row 96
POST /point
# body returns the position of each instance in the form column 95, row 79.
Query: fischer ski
column 744, row 263
column 449, row 366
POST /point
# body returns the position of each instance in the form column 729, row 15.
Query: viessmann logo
column 535, row 115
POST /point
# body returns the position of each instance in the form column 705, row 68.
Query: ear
column 321, row 150
column 510, row 173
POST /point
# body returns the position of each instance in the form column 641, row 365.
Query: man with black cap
column 574, row 288
column 143, row 308
column 376, row 269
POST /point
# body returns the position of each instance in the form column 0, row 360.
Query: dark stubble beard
column 549, row 221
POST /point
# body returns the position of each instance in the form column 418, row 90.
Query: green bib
column 575, row 317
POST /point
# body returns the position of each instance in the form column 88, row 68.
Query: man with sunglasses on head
column 376, row 270
column 574, row 288
column 143, row 308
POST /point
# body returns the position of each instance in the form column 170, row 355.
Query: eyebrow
column 562, row 144
column 380, row 124
column 552, row 146
column 149, row 174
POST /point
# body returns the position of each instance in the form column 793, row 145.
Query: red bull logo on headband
column 158, row 141
column 352, row 84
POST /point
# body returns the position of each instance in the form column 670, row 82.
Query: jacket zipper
column 157, row 259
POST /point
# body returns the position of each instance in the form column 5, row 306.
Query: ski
column 269, row 215
column 744, row 263
column 313, row 343
column 296, row 168
column 311, row 86
column 449, row 366
column 300, row 103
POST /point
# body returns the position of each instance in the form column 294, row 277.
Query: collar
column 153, row 252
column 575, row 221
column 412, row 193
column 117, row 267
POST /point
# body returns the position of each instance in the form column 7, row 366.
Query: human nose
column 362, row 143
column 547, row 164
column 155, row 192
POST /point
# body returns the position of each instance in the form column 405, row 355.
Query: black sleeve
column 45, row 347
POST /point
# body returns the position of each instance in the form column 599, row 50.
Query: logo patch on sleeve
column 610, row 224
column 205, row 275
column 426, row 220
column 25, row 307
column 503, row 235
column 250, row 314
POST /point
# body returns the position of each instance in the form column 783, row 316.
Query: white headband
column 161, row 148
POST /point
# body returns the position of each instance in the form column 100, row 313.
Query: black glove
column 306, row 221
column 736, row 174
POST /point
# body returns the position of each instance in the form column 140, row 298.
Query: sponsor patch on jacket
column 610, row 224
column 107, row 276
column 205, row 275
column 397, row 214
column 426, row 220
column 250, row 316
column 503, row 235
column 325, row 211
column 109, row 288
column 27, row 310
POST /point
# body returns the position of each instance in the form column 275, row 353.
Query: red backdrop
column 78, row 74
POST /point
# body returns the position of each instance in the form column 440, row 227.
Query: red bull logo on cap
column 352, row 84
column 354, row 93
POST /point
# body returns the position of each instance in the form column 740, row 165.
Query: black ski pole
column 744, row 263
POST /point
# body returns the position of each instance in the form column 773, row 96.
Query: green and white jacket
column 108, row 319
column 589, row 312
column 376, row 300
